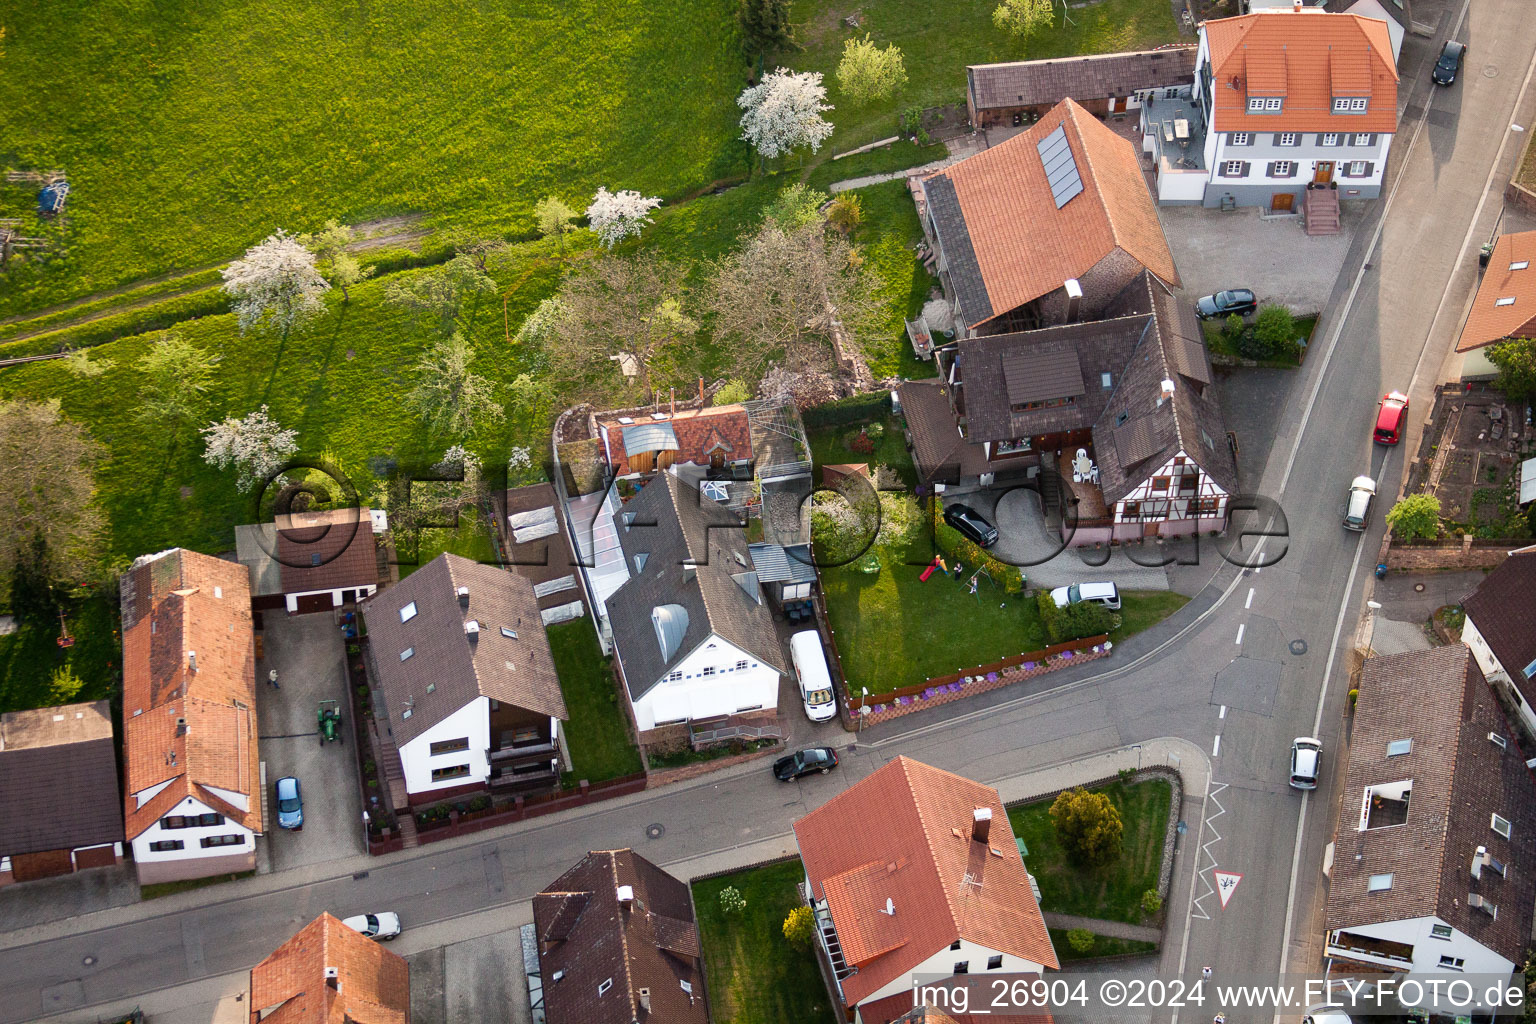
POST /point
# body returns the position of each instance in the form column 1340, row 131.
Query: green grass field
column 596, row 733
column 1112, row 892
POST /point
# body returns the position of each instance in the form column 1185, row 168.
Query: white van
column 1106, row 594
column 811, row 669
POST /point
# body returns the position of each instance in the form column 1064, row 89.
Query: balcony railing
column 1365, row 949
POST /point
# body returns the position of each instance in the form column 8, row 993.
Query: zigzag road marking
column 1210, row 890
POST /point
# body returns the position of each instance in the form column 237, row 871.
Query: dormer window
column 1264, row 104
column 1350, row 104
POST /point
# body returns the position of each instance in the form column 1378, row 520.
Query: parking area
column 1273, row 256
column 307, row 651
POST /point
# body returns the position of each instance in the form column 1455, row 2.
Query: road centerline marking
column 1223, row 712
column 1216, row 746
column 1248, row 603
column 1240, row 627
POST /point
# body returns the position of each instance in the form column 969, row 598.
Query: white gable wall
column 942, row 964
column 473, row 721
column 1427, row 949
column 1180, row 507
column 710, row 684
column 1494, row 670
column 191, row 838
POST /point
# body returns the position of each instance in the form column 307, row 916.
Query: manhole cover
column 1489, row 71
column 655, row 831
column 89, row 961
column 1418, row 587
column 1298, row 647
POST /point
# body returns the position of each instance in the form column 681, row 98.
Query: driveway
column 1273, row 256
column 308, row 652
column 1023, row 540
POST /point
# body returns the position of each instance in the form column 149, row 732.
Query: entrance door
column 1281, row 202
column 1322, row 174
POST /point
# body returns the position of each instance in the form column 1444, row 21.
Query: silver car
column 1306, row 762
column 1357, row 508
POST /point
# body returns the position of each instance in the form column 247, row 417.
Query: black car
column 1237, row 300
column 805, row 762
column 1449, row 64
column 971, row 525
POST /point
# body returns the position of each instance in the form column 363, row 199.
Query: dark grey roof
column 1048, row 82
column 538, row 544
column 939, row 451
column 777, row 564
column 448, row 667
column 58, row 779
column 1042, row 376
column 959, row 255
column 1503, row 608
column 1440, row 701
column 672, row 524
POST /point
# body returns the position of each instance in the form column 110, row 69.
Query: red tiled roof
column 904, row 834
column 371, row 986
column 898, row 1009
column 700, row 432
column 1307, row 57
column 1025, row 245
column 327, row 550
column 176, row 604
column 1490, row 322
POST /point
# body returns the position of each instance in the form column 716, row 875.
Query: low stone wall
column 1466, row 553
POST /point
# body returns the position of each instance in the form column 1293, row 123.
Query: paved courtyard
column 1273, row 256
column 1024, row 539
column 307, row 652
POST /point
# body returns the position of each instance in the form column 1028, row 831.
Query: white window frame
column 1341, row 105
column 1362, row 138
column 1289, row 138
column 1330, row 138
column 1499, row 820
column 1255, row 104
column 1356, row 169
column 1358, row 104
column 1272, row 103
column 1379, row 883
column 1283, row 168
column 1396, row 748
column 1453, row 963
column 1241, row 138
column 1232, row 169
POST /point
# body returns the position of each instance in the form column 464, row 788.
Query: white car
column 1306, row 762
column 382, row 927
column 1106, row 594
column 1357, row 510
column 811, row 670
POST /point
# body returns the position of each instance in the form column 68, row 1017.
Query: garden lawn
column 470, row 539
column 939, row 40
column 30, row 657
column 1112, row 892
column 893, row 630
column 1142, row 608
column 754, row 975
column 597, row 733
column 190, row 133
column 828, row 447
column 1103, row 945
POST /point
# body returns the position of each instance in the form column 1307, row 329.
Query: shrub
column 799, row 926
column 1354, row 695
column 855, row 409
column 1274, row 331
column 1151, row 902
column 732, row 901
column 862, row 443
column 1088, row 826
column 1232, row 328
column 1416, row 516
column 875, row 431
column 1081, row 940
column 1075, row 621
column 733, row 392
column 911, row 120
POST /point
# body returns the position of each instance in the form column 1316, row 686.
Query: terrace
column 1385, row 806
column 1177, row 129
column 1367, row 949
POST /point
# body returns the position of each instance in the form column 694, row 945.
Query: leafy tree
column 276, row 285
column 765, row 27
column 329, row 245
column 440, row 292
column 80, row 363
column 796, row 206
column 868, row 72
column 784, row 111
column 620, row 309
column 1274, row 331
column 32, row 600
column 1088, row 826
column 554, row 218
column 1416, row 516
column 845, row 213
column 1516, row 360
column 799, row 927
column 256, row 445
column 449, row 397
column 178, row 375
column 1081, row 940
column 1022, row 17
column 733, row 392
column 64, row 686
column 1151, row 902
column 780, row 295
column 617, row 215
column 47, row 487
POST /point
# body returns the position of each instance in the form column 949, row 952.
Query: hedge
column 854, row 409
column 1075, row 621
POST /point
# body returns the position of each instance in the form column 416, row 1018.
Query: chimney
column 1074, row 299
column 626, row 894
column 645, row 1000
column 333, row 979
column 1167, row 395
column 463, row 593
column 1298, row 6
column 192, row 661
column 701, row 390
column 472, row 629
column 981, row 824
column 1479, row 858
column 673, row 402
column 181, row 727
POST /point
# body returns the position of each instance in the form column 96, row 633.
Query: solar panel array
column 1060, row 166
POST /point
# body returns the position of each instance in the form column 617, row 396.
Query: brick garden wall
column 1465, row 553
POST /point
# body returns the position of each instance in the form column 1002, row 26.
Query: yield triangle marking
column 1226, row 884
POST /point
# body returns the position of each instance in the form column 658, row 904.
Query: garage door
column 315, row 603
column 30, row 866
column 96, row 857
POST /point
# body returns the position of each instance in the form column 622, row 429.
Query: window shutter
column 1269, row 169
column 1246, row 167
column 1372, row 141
column 1320, row 138
column 1276, row 140
column 1369, row 167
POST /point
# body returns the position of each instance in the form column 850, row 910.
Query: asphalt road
column 1231, row 681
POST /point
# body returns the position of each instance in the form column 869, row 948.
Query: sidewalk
column 221, row 999
column 1113, row 929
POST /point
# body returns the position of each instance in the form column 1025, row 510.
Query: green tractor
column 328, row 722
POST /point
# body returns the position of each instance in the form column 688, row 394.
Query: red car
column 1391, row 418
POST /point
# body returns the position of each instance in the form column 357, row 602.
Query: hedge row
column 1075, row 621
column 854, row 409
column 969, row 553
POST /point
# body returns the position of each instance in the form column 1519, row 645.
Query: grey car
column 1241, row 301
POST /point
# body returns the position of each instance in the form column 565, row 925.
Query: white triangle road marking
column 1226, row 884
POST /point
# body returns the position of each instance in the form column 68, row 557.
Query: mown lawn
column 188, row 133
column 30, row 657
column 755, row 977
column 1112, row 892
column 1142, row 608
column 596, row 733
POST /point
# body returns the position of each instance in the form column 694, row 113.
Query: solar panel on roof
column 1060, row 166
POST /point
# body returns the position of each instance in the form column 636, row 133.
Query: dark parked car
column 1223, row 304
column 971, row 525
column 804, row 762
column 1449, row 64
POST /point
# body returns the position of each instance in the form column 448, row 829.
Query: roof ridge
column 629, row 979
column 1443, row 834
column 933, row 854
column 1168, row 371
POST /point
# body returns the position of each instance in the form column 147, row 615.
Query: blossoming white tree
column 783, row 112
column 275, row 285
column 617, row 215
column 255, row 445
